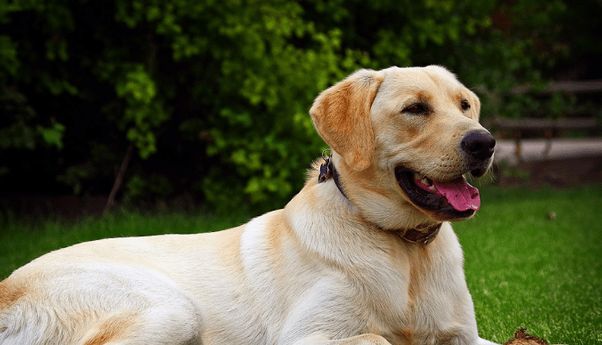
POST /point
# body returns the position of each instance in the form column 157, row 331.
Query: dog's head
column 403, row 140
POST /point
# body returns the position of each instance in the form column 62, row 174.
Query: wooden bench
column 518, row 129
column 548, row 128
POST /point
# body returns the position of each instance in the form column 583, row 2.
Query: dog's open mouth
column 452, row 200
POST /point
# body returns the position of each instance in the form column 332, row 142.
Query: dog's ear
column 341, row 115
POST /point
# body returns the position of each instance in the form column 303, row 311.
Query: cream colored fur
column 320, row 271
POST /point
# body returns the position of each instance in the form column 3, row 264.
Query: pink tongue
column 461, row 195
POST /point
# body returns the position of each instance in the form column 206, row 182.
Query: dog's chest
column 434, row 305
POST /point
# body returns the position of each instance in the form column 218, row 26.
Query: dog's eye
column 419, row 108
column 464, row 105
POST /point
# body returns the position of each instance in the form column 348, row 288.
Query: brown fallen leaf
column 521, row 337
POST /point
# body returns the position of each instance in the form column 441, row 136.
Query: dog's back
column 66, row 297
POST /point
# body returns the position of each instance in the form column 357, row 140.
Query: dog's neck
column 419, row 235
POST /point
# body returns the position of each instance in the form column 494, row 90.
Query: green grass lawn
column 523, row 269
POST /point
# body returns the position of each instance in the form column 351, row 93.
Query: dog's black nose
column 478, row 144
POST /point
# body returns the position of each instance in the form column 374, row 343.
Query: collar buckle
column 325, row 169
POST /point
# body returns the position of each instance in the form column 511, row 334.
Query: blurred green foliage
column 213, row 95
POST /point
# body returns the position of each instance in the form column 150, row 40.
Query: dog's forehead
column 430, row 79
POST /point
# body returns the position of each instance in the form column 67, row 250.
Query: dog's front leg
column 363, row 339
column 485, row 342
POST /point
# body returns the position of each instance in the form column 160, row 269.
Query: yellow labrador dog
column 364, row 254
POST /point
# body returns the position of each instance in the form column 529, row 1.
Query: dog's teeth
column 426, row 181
